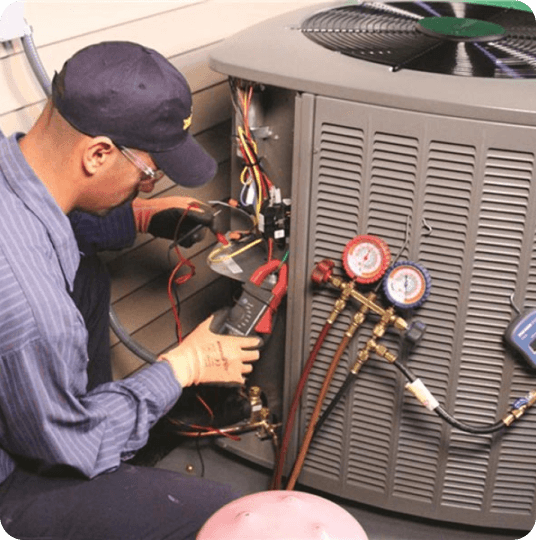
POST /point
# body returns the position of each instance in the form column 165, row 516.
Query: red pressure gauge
column 366, row 258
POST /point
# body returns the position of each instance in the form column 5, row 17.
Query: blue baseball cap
column 137, row 98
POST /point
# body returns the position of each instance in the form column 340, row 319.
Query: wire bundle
column 256, row 185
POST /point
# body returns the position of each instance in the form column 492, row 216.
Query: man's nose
column 147, row 185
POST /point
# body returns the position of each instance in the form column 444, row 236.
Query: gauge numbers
column 407, row 284
column 366, row 258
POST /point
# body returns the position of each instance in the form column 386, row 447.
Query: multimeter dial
column 407, row 284
column 366, row 258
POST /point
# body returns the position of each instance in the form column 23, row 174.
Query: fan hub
column 461, row 29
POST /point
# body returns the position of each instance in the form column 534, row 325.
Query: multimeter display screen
column 533, row 346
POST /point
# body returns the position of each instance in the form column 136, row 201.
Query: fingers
column 245, row 349
column 246, row 369
column 183, row 202
column 251, row 343
column 249, row 355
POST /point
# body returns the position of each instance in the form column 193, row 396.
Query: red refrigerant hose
column 320, row 275
column 280, row 463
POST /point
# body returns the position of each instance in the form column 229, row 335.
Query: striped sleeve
column 50, row 425
column 47, row 415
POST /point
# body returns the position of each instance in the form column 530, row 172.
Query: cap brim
column 188, row 164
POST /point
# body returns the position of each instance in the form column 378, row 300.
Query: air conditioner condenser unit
column 414, row 122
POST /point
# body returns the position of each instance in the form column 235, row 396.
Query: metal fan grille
column 390, row 34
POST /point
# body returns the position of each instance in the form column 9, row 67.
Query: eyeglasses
column 148, row 172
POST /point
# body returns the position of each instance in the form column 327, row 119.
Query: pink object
column 282, row 515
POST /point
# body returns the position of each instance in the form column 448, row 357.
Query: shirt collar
column 36, row 197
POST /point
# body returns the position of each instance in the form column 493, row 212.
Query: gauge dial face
column 366, row 258
column 407, row 285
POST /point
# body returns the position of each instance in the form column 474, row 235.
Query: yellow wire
column 256, row 174
column 217, row 251
column 243, row 134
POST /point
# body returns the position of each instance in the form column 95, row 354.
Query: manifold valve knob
column 322, row 271
column 415, row 332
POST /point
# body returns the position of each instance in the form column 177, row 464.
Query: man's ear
column 98, row 152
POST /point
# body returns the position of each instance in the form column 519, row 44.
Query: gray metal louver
column 472, row 185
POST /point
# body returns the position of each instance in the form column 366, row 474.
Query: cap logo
column 187, row 122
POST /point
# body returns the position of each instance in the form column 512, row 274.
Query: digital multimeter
column 521, row 335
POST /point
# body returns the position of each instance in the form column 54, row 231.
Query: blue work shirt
column 47, row 416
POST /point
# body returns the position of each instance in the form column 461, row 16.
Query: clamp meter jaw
column 252, row 314
column 521, row 336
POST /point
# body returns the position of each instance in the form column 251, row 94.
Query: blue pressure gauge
column 521, row 336
column 407, row 284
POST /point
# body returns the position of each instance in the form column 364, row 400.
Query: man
column 119, row 115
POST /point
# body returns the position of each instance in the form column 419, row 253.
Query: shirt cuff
column 159, row 380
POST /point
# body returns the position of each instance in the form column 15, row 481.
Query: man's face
column 123, row 184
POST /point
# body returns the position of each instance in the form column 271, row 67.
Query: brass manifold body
column 322, row 274
column 259, row 421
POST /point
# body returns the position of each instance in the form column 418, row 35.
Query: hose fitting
column 520, row 407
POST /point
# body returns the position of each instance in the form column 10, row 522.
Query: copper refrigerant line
column 347, row 289
column 322, row 274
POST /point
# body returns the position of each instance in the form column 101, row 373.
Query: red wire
column 222, row 240
column 183, row 261
column 203, row 429
column 266, row 184
column 204, row 403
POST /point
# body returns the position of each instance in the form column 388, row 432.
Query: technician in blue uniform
column 119, row 116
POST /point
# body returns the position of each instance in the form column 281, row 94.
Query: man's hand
column 163, row 217
column 205, row 357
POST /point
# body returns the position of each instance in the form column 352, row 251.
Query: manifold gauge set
column 406, row 284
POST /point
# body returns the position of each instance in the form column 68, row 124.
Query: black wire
column 201, row 460
column 442, row 413
column 403, row 355
column 465, row 427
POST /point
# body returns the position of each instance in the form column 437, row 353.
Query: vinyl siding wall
column 184, row 31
